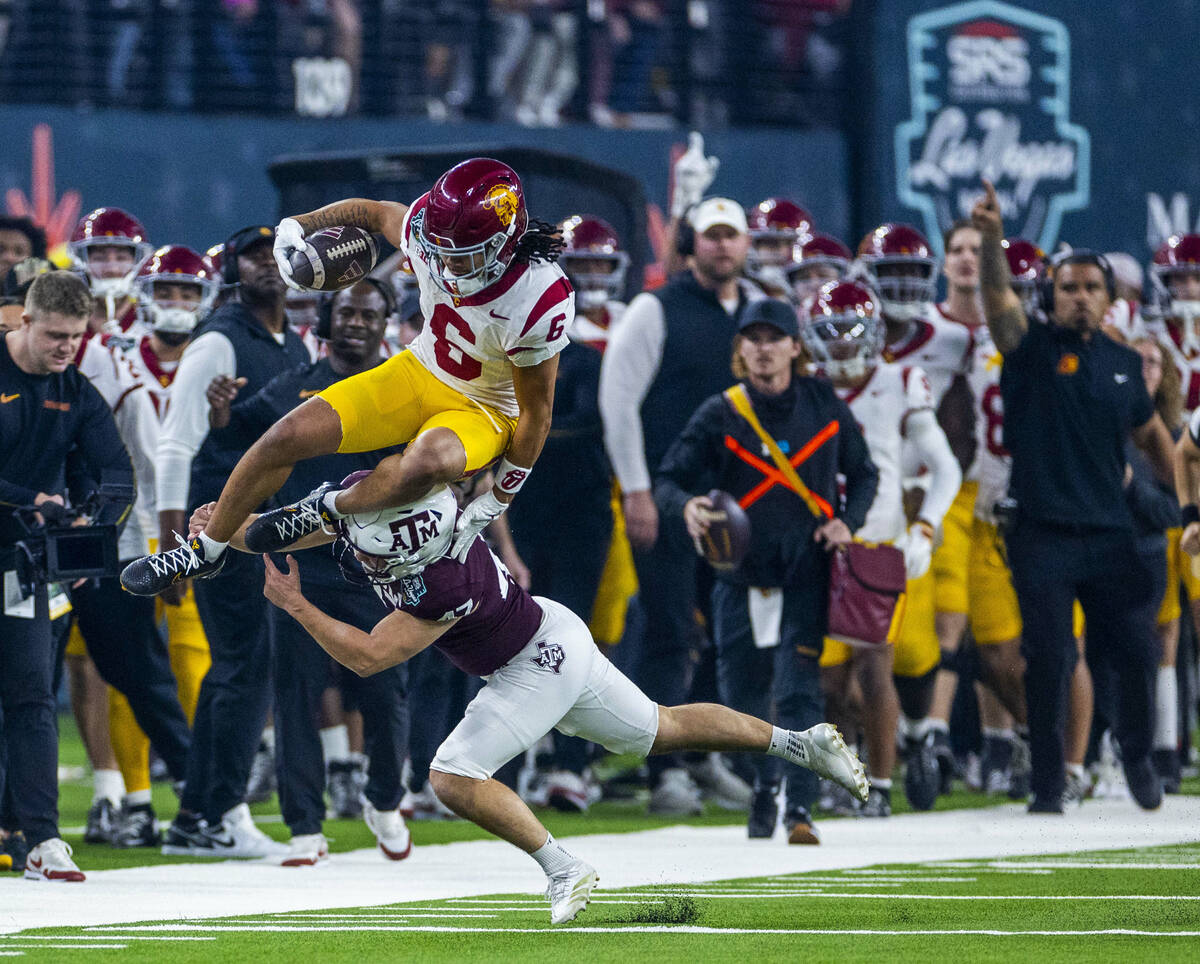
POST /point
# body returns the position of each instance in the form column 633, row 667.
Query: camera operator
column 53, row 425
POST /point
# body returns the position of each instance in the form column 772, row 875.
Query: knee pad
column 916, row 693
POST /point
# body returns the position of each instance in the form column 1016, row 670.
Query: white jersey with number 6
column 472, row 343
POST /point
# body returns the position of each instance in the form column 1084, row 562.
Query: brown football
column 334, row 258
column 728, row 538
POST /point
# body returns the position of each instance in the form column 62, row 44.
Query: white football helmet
column 402, row 540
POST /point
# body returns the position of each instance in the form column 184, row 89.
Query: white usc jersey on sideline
column 471, row 343
column 992, row 463
column 588, row 332
column 1188, row 368
column 881, row 407
column 939, row 345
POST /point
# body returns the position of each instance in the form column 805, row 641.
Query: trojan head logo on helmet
column 1175, row 275
column 842, row 330
column 816, row 260
column 900, row 265
column 593, row 261
column 175, row 289
column 400, row 541
column 470, row 225
column 1027, row 266
column 107, row 245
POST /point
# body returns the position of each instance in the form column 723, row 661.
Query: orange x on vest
column 772, row 475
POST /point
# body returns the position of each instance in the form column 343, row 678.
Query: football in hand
column 728, row 538
column 334, row 258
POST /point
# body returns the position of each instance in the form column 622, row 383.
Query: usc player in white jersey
column 174, row 289
column 497, row 310
column 893, row 404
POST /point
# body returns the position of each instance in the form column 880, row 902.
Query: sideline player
column 498, row 309
column 542, row 668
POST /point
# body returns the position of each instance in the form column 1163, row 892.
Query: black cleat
column 879, row 803
column 922, row 778
column 1145, row 785
column 150, row 575
column 764, row 812
column 101, row 822
column 136, row 826
column 276, row 530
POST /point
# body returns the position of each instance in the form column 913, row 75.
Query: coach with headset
column 351, row 326
column 1072, row 396
column 246, row 338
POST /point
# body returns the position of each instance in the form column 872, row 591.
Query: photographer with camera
column 53, row 426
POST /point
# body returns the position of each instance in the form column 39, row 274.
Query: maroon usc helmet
column 470, row 225
column 108, row 228
column 776, row 225
column 900, row 265
column 842, row 329
column 1027, row 265
column 593, row 261
column 175, row 264
column 814, row 261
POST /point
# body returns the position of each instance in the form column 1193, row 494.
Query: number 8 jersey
column 992, row 463
column 471, row 343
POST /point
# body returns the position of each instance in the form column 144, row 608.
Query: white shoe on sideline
column 237, row 836
column 720, row 784
column 570, row 891
column 390, row 831
column 51, row 860
column 306, row 850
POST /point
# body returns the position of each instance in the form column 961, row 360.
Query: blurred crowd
column 603, row 527
column 536, row 62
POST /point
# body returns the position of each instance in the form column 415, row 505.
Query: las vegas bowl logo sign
column 989, row 85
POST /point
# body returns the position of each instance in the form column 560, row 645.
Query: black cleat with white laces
column 280, row 528
column 150, row 575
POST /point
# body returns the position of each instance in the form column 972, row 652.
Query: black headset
column 229, row 269
column 325, row 308
column 1076, row 256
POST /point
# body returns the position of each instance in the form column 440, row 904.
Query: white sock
column 1166, row 703
column 137, row 798
column 335, row 743
column 108, row 784
column 916, row 729
column 881, row 784
column 999, row 733
column 1076, row 770
column 329, row 501
column 932, row 723
column 268, row 738
column 551, row 857
column 212, row 548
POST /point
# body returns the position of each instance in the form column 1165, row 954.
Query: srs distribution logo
column 990, row 93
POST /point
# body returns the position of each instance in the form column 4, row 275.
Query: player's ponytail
column 541, row 242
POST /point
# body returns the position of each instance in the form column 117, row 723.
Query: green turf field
column 1139, row 904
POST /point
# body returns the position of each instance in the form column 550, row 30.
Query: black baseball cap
column 242, row 241
column 770, row 311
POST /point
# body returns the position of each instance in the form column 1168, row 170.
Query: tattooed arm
column 1005, row 317
column 378, row 217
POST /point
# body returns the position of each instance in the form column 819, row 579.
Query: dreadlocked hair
column 541, row 242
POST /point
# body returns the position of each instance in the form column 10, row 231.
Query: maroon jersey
column 498, row 617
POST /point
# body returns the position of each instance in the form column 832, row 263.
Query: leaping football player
column 476, row 384
column 542, row 667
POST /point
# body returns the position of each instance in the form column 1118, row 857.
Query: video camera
column 54, row 550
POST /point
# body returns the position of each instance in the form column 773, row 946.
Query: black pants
column 28, row 725
column 1120, row 595
column 124, row 643
column 234, row 696
column 302, row 671
column 781, row 684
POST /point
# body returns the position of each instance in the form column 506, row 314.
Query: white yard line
column 672, row 855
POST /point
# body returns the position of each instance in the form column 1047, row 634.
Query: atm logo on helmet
column 502, row 200
column 989, row 87
column 412, row 532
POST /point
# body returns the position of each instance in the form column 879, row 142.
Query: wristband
column 1190, row 513
column 926, row 527
column 509, row 477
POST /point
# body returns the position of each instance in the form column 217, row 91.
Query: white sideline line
column 71, row 947
column 1092, row 865
column 678, row 929
column 6, row 941
column 659, row 859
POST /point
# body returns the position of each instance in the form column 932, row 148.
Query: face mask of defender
column 401, row 542
column 906, row 285
column 1182, row 289
column 173, row 316
column 845, row 346
column 594, row 286
column 465, row 271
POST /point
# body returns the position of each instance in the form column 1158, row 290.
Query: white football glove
column 289, row 237
column 693, row 173
column 918, row 552
column 479, row 512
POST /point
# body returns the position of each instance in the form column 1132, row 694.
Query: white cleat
column 390, row 831
column 570, row 891
column 237, row 836
column 821, row 749
column 51, row 860
column 306, row 850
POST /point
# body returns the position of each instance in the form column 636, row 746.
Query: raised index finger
column 990, row 191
